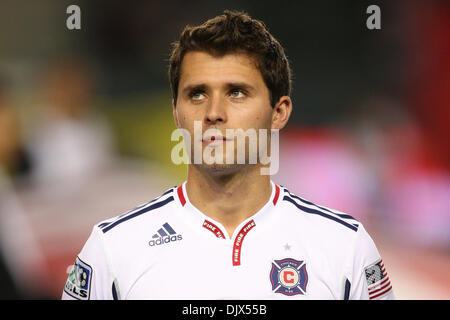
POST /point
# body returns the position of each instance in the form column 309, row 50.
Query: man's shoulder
column 149, row 210
column 321, row 216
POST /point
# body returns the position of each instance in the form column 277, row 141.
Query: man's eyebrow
column 229, row 85
column 194, row 87
column 240, row 85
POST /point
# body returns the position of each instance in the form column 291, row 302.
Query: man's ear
column 175, row 114
column 281, row 112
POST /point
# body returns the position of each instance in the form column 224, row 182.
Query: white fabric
column 196, row 264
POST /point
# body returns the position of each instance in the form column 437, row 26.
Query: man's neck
column 228, row 198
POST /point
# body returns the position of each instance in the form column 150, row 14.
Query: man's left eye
column 237, row 93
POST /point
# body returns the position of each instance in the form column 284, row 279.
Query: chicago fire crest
column 289, row 277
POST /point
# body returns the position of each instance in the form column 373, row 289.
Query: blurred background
column 85, row 124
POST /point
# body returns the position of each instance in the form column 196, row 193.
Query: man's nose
column 216, row 110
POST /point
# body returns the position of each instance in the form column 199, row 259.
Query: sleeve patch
column 378, row 282
column 78, row 284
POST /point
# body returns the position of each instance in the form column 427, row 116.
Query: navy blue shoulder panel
column 152, row 205
column 347, row 290
column 344, row 216
column 320, row 213
column 114, row 292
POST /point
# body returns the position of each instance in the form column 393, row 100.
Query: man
column 229, row 232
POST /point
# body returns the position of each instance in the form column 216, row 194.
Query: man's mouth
column 214, row 140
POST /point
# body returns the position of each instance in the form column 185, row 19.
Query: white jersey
column 168, row 249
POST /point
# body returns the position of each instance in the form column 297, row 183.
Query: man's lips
column 215, row 139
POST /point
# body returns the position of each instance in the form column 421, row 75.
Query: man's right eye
column 197, row 96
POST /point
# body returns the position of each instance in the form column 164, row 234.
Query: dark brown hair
column 235, row 32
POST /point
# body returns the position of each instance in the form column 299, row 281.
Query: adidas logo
column 164, row 235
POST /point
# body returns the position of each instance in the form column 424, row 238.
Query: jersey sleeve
column 367, row 277
column 90, row 278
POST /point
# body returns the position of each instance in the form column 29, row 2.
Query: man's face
column 221, row 93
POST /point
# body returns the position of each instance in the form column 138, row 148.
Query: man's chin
column 220, row 169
